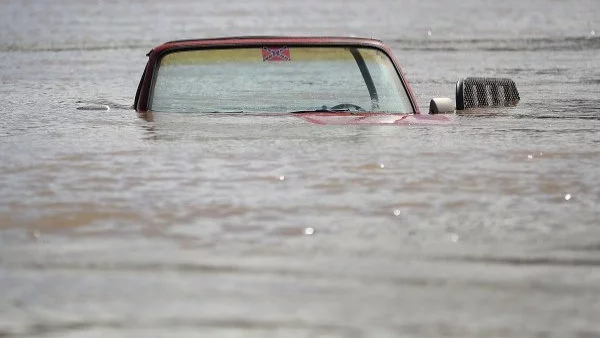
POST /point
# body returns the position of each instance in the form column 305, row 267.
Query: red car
column 323, row 80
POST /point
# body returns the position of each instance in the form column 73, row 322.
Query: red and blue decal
column 276, row 54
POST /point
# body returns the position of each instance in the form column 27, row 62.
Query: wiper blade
column 320, row 111
column 223, row 112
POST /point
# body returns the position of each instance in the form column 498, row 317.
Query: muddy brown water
column 241, row 227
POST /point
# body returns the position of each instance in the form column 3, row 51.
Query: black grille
column 478, row 92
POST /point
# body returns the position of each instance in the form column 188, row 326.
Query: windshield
column 278, row 79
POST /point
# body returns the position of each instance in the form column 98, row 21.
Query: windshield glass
column 278, row 79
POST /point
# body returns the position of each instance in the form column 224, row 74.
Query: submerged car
column 323, row 80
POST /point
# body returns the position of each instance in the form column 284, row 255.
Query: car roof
column 267, row 40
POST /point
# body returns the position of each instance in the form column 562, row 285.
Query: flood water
column 111, row 226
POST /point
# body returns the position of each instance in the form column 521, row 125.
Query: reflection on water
column 111, row 225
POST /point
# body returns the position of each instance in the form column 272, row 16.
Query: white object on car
column 441, row 105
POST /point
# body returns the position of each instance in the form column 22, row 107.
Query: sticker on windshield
column 276, row 54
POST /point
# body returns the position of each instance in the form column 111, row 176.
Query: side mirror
column 441, row 105
column 94, row 106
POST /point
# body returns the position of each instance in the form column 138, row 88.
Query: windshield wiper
column 223, row 112
column 321, row 111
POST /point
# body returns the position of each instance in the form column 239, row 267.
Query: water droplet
column 530, row 156
column 281, row 178
column 454, row 238
column 567, row 197
column 428, row 33
column 309, row 231
column 397, row 212
column 381, row 165
column 541, row 153
column 592, row 32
